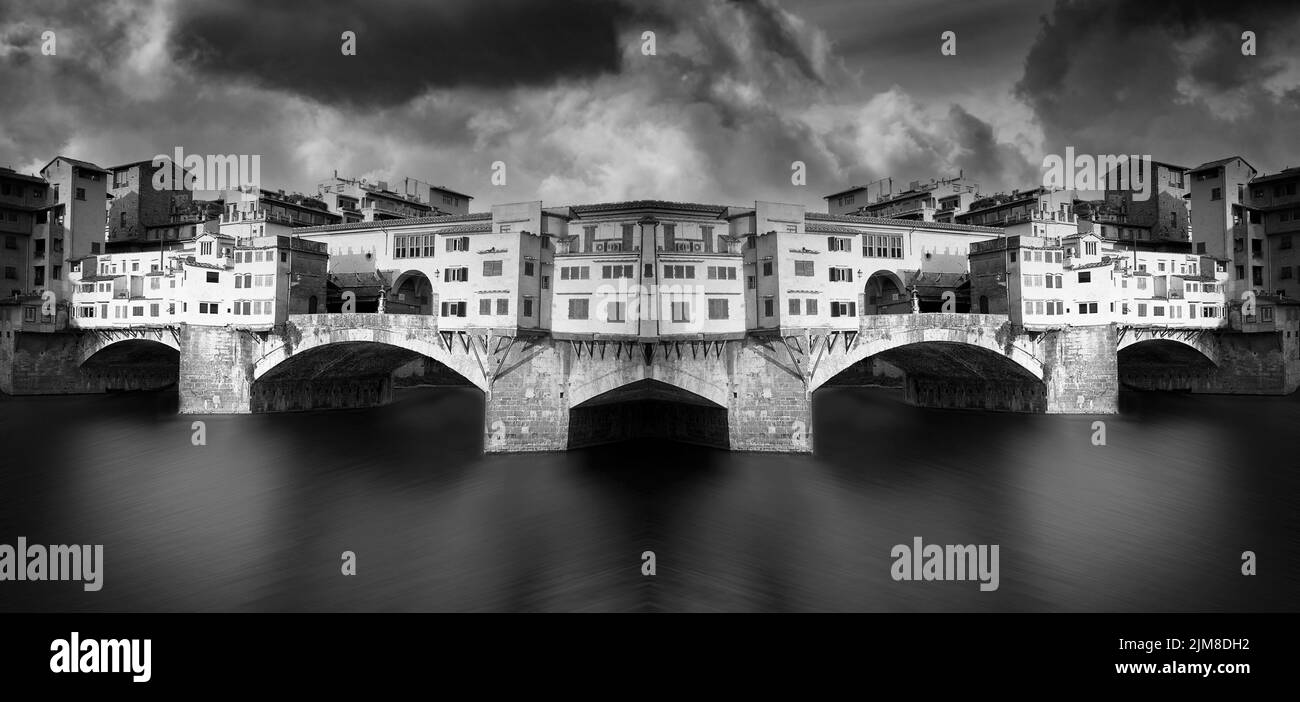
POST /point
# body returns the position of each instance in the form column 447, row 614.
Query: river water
column 257, row 519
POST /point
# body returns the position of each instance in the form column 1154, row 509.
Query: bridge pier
column 770, row 408
column 1080, row 370
column 526, row 405
column 216, row 370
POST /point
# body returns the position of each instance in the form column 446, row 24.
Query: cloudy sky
column 561, row 92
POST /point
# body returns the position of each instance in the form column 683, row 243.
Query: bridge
column 543, row 393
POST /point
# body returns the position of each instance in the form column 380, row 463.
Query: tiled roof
column 76, row 162
column 716, row 210
column 408, row 222
column 911, row 223
column 1220, row 162
column 189, row 261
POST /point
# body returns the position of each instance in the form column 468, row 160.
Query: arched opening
column 133, row 364
column 348, row 375
column 1162, row 364
column 939, row 374
column 884, row 293
column 648, row 409
column 984, row 304
column 412, row 293
column 311, row 305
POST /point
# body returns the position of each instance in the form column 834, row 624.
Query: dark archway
column 346, row 375
column 648, row 409
column 412, row 293
column 1162, row 364
column 884, row 293
column 312, row 304
column 984, row 304
column 950, row 375
column 134, row 364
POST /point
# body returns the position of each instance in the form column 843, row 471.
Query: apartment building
column 1276, row 203
column 1082, row 279
column 1225, row 225
column 211, row 280
column 139, row 214
column 936, row 201
column 22, row 202
column 73, row 225
column 358, row 200
column 1003, row 209
column 1166, row 213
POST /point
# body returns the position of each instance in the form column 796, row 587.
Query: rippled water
column 256, row 520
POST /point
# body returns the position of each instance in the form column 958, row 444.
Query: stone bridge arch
column 704, row 378
column 881, row 333
column 415, row 333
column 1200, row 341
column 96, row 340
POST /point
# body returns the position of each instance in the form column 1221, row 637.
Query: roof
column 910, row 223
column 1293, row 172
column 1221, row 162
column 76, row 162
column 189, row 261
column 716, row 210
column 407, row 222
column 853, row 189
column 11, row 173
column 445, row 189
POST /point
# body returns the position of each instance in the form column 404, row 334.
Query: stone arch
column 426, row 342
column 702, row 384
column 414, row 288
column 981, row 331
column 1196, row 342
column 878, row 289
column 100, row 341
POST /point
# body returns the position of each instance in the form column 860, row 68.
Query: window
column 1012, row 256
column 679, row 272
column 155, row 283
column 843, row 309
column 803, row 268
column 721, row 273
column 81, row 193
column 485, row 306
column 528, row 268
column 504, row 229
column 208, row 308
column 213, row 277
column 767, row 268
column 153, row 310
column 838, row 243
column 614, row 311
column 458, row 243
column 1284, row 242
column 1257, row 275
column 810, row 306
column 575, row 273
column 1266, row 312
column 794, row 306
column 750, row 282
column 882, row 246
column 284, row 257
column 1216, row 193
column 718, row 308
column 503, row 306
column 767, row 307
column 1240, row 271
column 1284, row 273
column 1085, row 277
column 1142, row 309
column 455, row 275
column 546, row 282
column 528, row 306
column 577, row 309
column 1256, row 247
column 11, row 272
column 205, row 249
column 11, row 242
column 681, row 311
column 840, row 273
column 609, row 272
column 491, row 268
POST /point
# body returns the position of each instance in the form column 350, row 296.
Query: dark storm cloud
column 772, row 29
column 403, row 48
column 1164, row 76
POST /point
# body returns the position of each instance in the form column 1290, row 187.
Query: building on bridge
column 936, row 201
column 650, row 268
column 1082, row 279
column 213, row 280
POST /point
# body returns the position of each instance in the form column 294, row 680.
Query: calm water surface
column 256, row 520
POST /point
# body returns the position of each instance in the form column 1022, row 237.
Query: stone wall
column 1080, row 370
